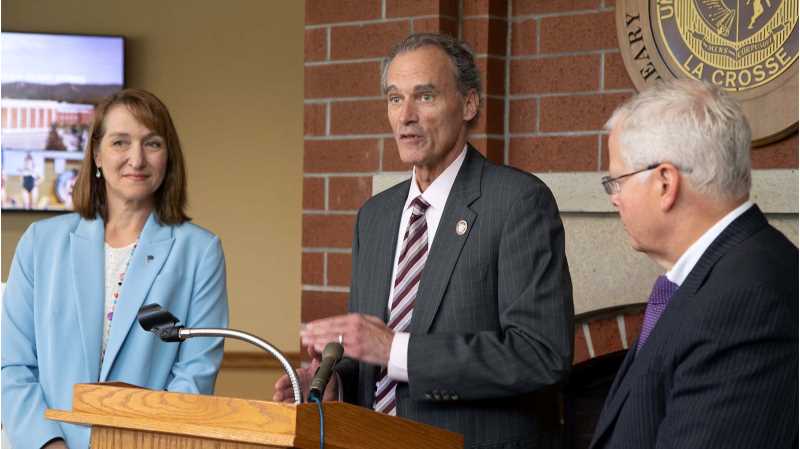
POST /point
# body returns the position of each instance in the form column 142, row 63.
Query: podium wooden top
column 247, row 421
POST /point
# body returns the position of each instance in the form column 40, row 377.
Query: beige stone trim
column 775, row 191
column 605, row 271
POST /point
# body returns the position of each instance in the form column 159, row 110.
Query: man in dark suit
column 461, row 298
column 715, row 365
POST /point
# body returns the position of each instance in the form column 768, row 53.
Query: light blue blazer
column 52, row 323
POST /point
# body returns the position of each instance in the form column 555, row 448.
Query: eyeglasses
column 612, row 185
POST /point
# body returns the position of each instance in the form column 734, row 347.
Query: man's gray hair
column 466, row 73
column 693, row 125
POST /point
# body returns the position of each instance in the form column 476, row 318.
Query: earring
column 97, row 174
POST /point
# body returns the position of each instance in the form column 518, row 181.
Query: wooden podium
column 125, row 416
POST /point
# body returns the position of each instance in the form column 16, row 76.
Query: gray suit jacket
column 492, row 332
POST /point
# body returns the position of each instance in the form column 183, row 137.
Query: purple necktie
column 659, row 298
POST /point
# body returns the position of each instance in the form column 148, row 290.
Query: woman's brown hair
column 89, row 194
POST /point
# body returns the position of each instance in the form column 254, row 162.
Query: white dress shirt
column 436, row 195
column 689, row 259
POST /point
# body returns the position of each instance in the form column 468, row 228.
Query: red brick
column 359, row 117
column 328, row 231
column 348, row 192
column 339, row 269
column 408, row 8
column 439, row 24
column 496, row 150
column 559, row 154
column 525, row 7
column 491, row 148
column 578, row 33
column 316, row 305
column 313, row 193
column 316, row 44
column 522, row 116
column 325, row 156
column 342, row 80
column 559, row 74
column 391, row 157
column 491, row 116
column 497, row 8
column 485, row 35
column 448, row 8
column 616, row 77
column 605, row 336
column 633, row 327
column 781, row 154
column 493, row 74
column 367, row 41
column 332, row 11
column 581, row 349
column 523, row 38
column 314, row 119
column 604, row 153
column 579, row 112
column 312, row 269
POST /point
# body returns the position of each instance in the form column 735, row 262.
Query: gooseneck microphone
column 331, row 355
column 159, row 321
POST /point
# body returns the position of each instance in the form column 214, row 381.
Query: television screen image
column 50, row 86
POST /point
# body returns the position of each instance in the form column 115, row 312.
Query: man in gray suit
column 461, row 300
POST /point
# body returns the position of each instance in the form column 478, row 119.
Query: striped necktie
column 413, row 255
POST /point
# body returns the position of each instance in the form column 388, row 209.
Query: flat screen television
column 51, row 84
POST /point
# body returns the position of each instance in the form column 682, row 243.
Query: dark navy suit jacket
column 719, row 369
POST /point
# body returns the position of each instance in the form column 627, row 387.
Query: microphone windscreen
column 333, row 350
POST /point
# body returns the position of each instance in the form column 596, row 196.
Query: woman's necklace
column 118, row 285
column 115, row 288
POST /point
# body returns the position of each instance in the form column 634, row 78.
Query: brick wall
column 552, row 75
column 566, row 78
column 347, row 135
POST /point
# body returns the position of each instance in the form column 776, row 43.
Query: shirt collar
column 689, row 258
column 436, row 194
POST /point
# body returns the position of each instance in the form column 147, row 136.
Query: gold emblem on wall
column 747, row 47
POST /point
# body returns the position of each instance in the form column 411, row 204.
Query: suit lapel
column 88, row 261
column 616, row 395
column 630, row 356
column 151, row 252
column 747, row 224
column 740, row 229
column 384, row 238
column 448, row 243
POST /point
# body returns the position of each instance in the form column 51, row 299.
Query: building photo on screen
column 50, row 86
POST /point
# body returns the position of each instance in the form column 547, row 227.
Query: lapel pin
column 461, row 227
column 148, row 258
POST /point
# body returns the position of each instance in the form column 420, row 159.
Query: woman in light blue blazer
column 78, row 280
